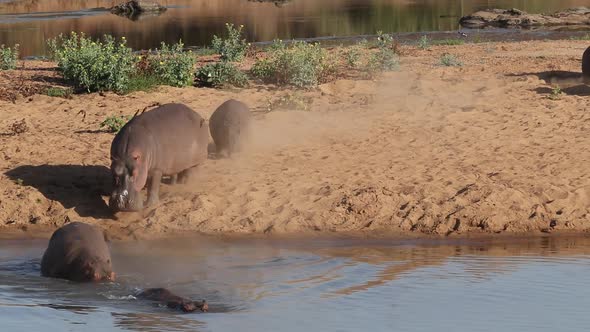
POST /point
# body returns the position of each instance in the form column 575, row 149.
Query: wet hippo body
column 170, row 140
column 586, row 63
column 77, row 252
column 171, row 300
column 229, row 126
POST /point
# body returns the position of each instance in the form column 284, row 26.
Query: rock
column 517, row 18
column 133, row 9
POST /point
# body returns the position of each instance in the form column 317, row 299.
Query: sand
column 424, row 151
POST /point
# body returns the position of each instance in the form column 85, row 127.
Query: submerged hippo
column 168, row 140
column 173, row 301
column 586, row 63
column 229, row 126
column 78, row 252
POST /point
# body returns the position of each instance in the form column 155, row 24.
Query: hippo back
column 71, row 244
column 178, row 137
column 229, row 124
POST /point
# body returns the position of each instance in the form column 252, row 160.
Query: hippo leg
column 173, row 179
column 184, row 176
column 154, row 188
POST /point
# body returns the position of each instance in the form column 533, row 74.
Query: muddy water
column 31, row 22
column 319, row 285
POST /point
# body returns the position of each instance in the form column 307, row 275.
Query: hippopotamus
column 78, row 252
column 171, row 300
column 169, row 140
column 229, row 126
column 586, row 63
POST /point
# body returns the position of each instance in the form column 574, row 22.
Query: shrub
column 114, row 123
column 142, row 81
column 93, row 65
column 8, row 57
column 58, row 92
column 231, row 48
column 353, row 56
column 424, row 42
column 449, row 42
column 172, row 65
column 450, row 60
column 220, row 74
column 301, row 65
column 385, row 58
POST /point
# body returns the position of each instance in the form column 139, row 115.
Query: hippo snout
column 125, row 200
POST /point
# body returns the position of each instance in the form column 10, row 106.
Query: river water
column 313, row 285
column 31, row 22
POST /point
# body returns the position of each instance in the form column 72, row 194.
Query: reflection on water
column 196, row 21
column 319, row 285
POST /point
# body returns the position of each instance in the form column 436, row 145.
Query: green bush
column 93, row 65
column 142, row 81
column 58, row 92
column 114, row 123
column 424, row 42
column 232, row 48
column 220, row 74
column 172, row 65
column 385, row 58
column 8, row 57
column 352, row 56
column 450, row 60
column 301, row 64
column 449, row 42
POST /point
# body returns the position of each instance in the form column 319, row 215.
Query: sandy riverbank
column 426, row 150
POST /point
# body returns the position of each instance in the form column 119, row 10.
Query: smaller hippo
column 586, row 63
column 171, row 300
column 229, row 126
column 78, row 252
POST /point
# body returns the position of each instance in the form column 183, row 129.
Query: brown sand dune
column 426, row 150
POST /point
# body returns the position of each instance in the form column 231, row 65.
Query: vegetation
column 424, row 42
column 172, row 66
column 59, row 92
column 114, row 123
column 8, row 57
column 93, row 65
column 352, row 56
column 450, row 60
column 232, row 48
column 385, row 59
column 555, row 93
column 221, row 74
column 449, row 42
column 583, row 37
column 300, row 64
column 108, row 64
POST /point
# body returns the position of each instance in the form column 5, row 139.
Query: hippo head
column 91, row 269
column 128, row 180
column 129, row 168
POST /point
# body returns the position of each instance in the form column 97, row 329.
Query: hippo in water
column 169, row 140
column 173, row 301
column 229, row 126
column 78, row 252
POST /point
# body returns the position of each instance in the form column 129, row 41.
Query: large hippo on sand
column 229, row 126
column 170, row 140
column 164, row 296
column 78, row 252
